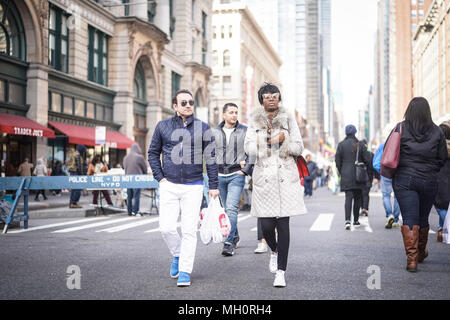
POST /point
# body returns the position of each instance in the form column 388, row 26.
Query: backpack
column 376, row 162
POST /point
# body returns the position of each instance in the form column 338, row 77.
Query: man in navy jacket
column 184, row 142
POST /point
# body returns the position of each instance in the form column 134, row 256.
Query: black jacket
column 422, row 154
column 313, row 170
column 345, row 162
column 188, row 145
column 443, row 181
column 228, row 157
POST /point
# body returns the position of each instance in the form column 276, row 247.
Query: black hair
column 174, row 99
column 97, row 159
column 267, row 88
column 418, row 114
column 227, row 105
column 445, row 127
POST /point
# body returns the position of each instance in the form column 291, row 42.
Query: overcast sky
column 354, row 24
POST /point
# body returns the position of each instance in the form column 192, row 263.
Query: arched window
column 12, row 34
column 139, row 82
column 226, row 58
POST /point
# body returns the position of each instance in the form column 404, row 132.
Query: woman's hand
column 278, row 139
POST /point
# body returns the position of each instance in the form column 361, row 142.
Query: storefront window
column 56, row 102
column 90, row 111
column 68, row 105
column 16, row 93
column 79, row 108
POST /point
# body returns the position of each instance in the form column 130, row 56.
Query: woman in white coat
column 274, row 139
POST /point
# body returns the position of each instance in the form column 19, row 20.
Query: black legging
column 268, row 226
column 355, row 196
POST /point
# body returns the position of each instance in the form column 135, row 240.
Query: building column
column 154, row 115
column 123, row 112
column 162, row 18
column 37, row 98
column 139, row 9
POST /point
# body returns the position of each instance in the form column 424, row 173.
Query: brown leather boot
column 439, row 236
column 423, row 239
column 411, row 243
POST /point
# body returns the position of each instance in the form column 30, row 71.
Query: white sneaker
column 139, row 215
column 389, row 222
column 279, row 281
column 262, row 248
column 273, row 264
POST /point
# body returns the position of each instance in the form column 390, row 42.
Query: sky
column 354, row 24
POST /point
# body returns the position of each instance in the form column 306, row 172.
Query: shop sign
column 28, row 132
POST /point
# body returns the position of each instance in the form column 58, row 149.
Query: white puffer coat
column 276, row 183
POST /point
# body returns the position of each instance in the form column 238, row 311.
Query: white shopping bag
column 445, row 229
column 214, row 223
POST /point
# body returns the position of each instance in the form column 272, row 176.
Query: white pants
column 187, row 199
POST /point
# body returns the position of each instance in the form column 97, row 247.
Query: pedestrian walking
column 442, row 201
column 24, row 169
column 392, row 211
column 346, row 157
column 134, row 163
column 233, row 167
column 183, row 142
column 309, row 179
column 273, row 139
column 97, row 166
column 56, row 172
column 423, row 151
column 77, row 168
column 40, row 171
column 372, row 174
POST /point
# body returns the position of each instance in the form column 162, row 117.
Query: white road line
column 93, row 225
column 157, row 229
column 54, row 225
column 129, row 225
column 323, row 222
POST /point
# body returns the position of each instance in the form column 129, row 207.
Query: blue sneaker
column 174, row 268
column 184, row 279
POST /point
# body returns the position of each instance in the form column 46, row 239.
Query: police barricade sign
column 23, row 185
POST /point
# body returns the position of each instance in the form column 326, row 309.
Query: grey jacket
column 41, row 169
column 134, row 162
column 229, row 157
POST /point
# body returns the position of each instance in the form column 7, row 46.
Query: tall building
column 243, row 58
column 431, row 60
column 67, row 67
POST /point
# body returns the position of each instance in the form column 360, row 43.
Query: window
column 193, row 11
column 215, row 58
column 151, row 11
column 2, row 90
column 126, row 7
column 176, row 78
column 108, row 114
column 172, row 18
column 56, row 102
column 98, row 56
column 230, row 31
column 58, row 39
column 79, row 108
column 90, row 110
column 226, row 86
column 139, row 82
column 414, row 13
column 99, row 112
column 68, row 105
column 226, row 58
column 222, row 32
column 16, row 93
column 420, row 13
column 12, row 33
column 214, row 32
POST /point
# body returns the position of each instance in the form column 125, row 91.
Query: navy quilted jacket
column 183, row 149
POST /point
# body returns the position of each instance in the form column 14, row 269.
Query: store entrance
column 13, row 150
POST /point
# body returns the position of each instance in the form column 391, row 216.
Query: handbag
column 391, row 153
column 361, row 169
column 302, row 167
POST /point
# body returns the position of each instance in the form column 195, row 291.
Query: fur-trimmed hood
column 259, row 116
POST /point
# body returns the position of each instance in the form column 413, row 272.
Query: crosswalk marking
column 93, row 225
column 323, row 222
column 129, row 225
column 54, row 225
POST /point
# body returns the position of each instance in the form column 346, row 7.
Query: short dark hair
column 227, row 105
column 445, row 127
column 174, row 99
column 267, row 88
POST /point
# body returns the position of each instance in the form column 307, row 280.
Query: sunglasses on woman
column 274, row 96
column 184, row 103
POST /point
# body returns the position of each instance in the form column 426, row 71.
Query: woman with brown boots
column 423, row 151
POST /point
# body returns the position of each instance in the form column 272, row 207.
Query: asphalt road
column 122, row 261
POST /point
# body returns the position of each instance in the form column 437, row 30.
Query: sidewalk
column 58, row 206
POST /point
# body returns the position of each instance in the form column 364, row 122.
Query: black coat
column 312, row 169
column 345, row 162
column 443, row 180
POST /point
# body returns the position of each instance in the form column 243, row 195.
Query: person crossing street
column 183, row 141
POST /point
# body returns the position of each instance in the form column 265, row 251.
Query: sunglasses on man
column 268, row 96
column 184, row 103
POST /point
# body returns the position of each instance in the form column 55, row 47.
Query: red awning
column 86, row 135
column 22, row 126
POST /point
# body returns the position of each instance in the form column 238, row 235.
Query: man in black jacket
column 183, row 141
column 233, row 167
column 313, row 170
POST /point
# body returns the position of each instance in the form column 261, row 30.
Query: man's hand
column 375, row 181
column 214, row 193
column 242, row 163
